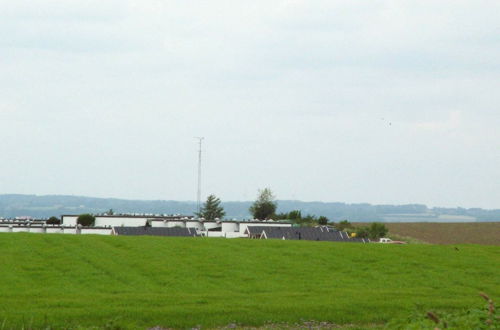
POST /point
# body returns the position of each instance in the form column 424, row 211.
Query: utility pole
column 198, row 195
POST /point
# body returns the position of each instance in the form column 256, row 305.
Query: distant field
column 487, row 233
column 77, row 280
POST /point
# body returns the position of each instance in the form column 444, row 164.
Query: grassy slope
column 449, row 233
column 145, row 281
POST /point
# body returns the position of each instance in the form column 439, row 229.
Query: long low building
column 53, row 229
column 178, row 225
column 322, row 233
column 224, row 228
column 124, row 219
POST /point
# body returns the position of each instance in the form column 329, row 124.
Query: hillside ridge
column 12, row 205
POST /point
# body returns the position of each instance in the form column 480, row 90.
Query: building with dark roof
column 304, row 233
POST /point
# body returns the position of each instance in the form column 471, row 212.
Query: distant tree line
column 374, row 231
column 46, row 206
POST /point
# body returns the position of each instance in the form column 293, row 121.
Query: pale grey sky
column 354, row 101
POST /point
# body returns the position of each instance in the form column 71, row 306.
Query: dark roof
column 308, row 233
column 154, row 231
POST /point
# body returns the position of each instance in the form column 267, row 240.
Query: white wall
column 194, row 224
column 102, row 221
column 214, row 234
column 175, row 223
column 37, row 230
column 54, row 230
column 20, row 229
column 158, row 223
column 210, row 224
column 97, row 231
column 234, row 234
column 69, row 220
column 70, row 230
column 230, row 226
column 120, row 221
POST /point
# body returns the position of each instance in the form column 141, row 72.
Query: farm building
column 176, row 225
column 302, row 233
column 227, row 229
column 127, row 220
column 51, row 229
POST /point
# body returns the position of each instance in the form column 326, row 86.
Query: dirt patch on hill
column 486, row 233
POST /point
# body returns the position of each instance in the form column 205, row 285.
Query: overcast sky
column 352, row 101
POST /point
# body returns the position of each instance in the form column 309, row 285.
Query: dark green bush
column 377, row 230
column 343, row 225
column 85, row 220
column 53, row 221
column 322, row 220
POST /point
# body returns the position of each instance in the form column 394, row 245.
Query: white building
column 123, row 220
column 104, row 224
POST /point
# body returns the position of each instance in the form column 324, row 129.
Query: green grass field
column 81, row 281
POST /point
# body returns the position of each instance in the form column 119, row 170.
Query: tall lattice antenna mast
column 198, row 195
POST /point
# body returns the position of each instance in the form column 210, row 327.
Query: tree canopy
column 85, row 220
column 376, row 230
column 53, row 221
column 296, row 217
column 211, row 209
column 265, row 205
column 343, row 225
column 322, row 220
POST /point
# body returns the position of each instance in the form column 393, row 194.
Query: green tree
column 53, row 221
column 374, row 231
column 265, row 205
column 85, row 220
column 211, row 209
column 343, row 225
column 281, row 216
column 362, row 232
column 295, row 215
column 322, row 220
column 377, row 230
column 309, row 220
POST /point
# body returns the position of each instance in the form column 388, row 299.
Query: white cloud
column 453, row 122
column 289, row 94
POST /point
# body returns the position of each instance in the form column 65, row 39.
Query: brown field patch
column 485, row 233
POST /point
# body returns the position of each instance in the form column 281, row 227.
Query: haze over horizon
column 193, row 201
column 389, row 103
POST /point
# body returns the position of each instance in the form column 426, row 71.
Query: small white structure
column 38, row 229
column 196, row 224
column 230, row 226
column 175, row 223
column 211, row 225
